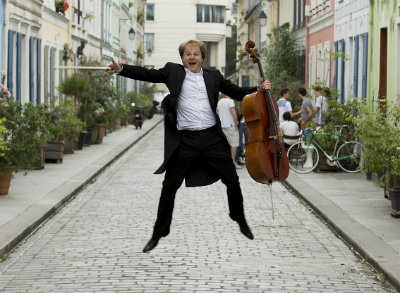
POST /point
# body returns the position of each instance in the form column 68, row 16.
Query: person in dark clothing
column 195, row 148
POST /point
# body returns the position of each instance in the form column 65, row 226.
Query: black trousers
column 205, row 148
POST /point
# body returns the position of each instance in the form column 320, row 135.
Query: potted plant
column 64, row 115
column 6, row 172
column 379, row 131
column 23, row 130
column 61, row 6
column 89, row 15
column 101, row 123
column 140, row 14
column 76, row 85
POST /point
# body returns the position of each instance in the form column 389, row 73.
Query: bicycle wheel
column 302, row 159
column 350, row 156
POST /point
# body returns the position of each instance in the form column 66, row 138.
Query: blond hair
column 200, row 44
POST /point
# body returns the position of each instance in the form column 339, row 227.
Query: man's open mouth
column 192, row 63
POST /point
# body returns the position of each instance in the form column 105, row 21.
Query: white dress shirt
column 193, row 107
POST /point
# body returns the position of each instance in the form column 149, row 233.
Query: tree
column 231, row 52
column 281, row 64
column 282, row 53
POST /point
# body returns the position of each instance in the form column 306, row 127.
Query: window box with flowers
column 61, row 6
column 131, row 4
column 89, row 15
column 139, row 51
column 140, row 14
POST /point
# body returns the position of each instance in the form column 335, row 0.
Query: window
column 207, row 13
column 149, row 12
column 148, row 42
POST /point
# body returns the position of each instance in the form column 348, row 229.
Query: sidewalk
column 358, row 212
column 35, row 197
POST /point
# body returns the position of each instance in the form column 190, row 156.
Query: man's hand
column 264, row 84
column 114, row 67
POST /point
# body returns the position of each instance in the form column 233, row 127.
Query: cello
column 266, row 158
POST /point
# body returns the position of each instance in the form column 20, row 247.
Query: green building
column 384, row 52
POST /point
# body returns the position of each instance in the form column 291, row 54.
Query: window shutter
column 31, row 72
column 18, row 66
column 38, row 70
column 10, row 61
column 342, row 74
column 46, row 73
column 60, row 73
column 364, row 67
column 51, row 71
column 335, row 67
column 355, row 83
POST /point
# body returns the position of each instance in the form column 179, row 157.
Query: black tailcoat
column 172, row 75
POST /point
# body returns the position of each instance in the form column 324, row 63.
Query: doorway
column 383, row 69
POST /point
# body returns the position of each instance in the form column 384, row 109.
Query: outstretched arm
column 238, row 93
column 138, row 72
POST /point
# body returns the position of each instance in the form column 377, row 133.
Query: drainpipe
column 307, row 46
column 69, row 34
column 101, row 30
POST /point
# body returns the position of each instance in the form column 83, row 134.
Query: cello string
column 274, row 117
column 272, row 203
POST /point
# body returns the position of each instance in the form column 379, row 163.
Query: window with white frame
column 149, row 12
column 208, row 13
column 148, row 42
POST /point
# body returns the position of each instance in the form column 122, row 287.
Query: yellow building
column 55, row 34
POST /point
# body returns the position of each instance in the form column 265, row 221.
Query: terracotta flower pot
column 5, row 180
column 101, row 132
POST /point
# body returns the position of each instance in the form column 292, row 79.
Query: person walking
column 195, row 148
column 227, row 114
column 284, row 105
column 306, row 115
column 243, row 133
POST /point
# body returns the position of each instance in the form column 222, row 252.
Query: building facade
column 383, row 80
column 169, row 23
column 351, row 37
column 298, row 25
column 319, row 41
column 55, row 32
column 22, row 49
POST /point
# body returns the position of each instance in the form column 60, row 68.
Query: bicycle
column 303, row 155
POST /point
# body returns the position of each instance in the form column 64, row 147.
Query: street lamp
column 132, row 34
column 263, row 18
column 149, row 52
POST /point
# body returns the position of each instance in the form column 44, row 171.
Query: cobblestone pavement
column 94, row 242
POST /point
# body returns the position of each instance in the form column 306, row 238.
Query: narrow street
column 94, row 243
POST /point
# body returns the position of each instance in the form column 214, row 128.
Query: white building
column 170, row 22
column 21, row 53
column 351, row 37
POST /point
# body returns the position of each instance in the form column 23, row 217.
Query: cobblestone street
column 94, row 243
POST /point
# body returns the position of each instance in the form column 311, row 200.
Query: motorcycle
column 137, row 118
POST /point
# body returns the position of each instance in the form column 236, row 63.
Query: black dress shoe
column 245, row 229
column 152, row 243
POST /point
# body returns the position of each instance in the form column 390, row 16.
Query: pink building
column 319, row 41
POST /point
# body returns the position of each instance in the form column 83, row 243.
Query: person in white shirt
column 195, row 148
column 285, row 106
column 290, row 129
column 227, row 115
column 321, row 105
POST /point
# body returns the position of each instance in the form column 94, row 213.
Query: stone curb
column 380, row 255
column 36, row 223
